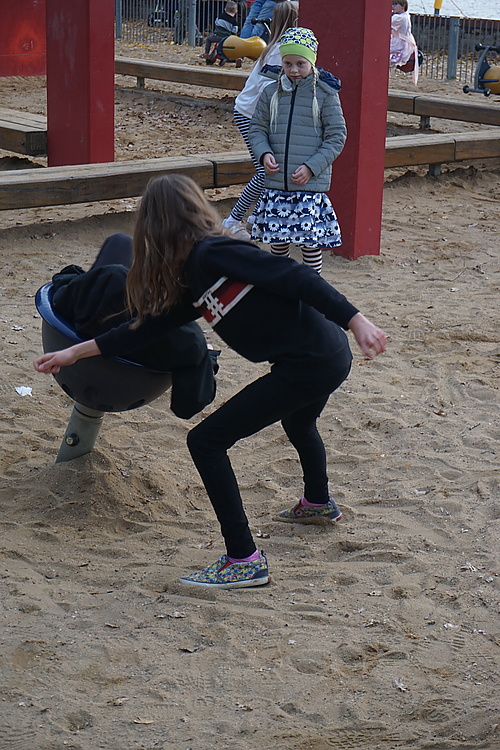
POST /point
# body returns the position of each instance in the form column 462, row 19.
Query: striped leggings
column 252, row 192
column 312, row 257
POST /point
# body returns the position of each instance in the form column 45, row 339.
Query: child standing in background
column 403, row 45
column 296, row 132
column 284, row 17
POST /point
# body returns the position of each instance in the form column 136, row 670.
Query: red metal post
column 354, row 45
column 80, row 81
column 22, row 38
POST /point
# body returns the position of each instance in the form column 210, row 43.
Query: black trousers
column 272, row 398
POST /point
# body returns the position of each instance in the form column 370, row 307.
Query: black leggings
column 265, row 401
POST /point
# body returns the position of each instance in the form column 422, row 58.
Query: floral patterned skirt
column 297, row 217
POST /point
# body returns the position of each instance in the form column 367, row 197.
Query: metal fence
column 178, row 21
column 447, row 43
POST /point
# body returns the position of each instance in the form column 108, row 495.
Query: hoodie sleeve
column 279, row 276
column 124, row 340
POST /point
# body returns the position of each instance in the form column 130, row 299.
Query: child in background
column 225, row 25
column 403, row 44
column 284, row 17
column 266, row 308
column 296, row 132
column 260, row 10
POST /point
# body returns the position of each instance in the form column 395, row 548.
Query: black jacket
column 94, row 302
column 291, row 317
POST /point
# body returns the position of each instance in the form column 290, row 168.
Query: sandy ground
column 377, row 634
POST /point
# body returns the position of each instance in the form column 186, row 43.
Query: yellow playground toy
column 233, row 48
column 486, row 77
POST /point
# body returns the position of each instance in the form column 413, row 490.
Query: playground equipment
column 96, row 385
column 233, row 48
column 486, row 77
column 409, row 65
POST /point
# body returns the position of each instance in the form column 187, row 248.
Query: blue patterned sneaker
column 227, row 575
column 321, row 514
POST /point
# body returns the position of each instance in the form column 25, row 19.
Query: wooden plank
column 23, row 132
column 190, row 74
column 23, row 118
column 398, row 102
column 485, row 145
column 94, row 182
column 21, row 139
column 405, row 103
column 232, row 168
column 450, row 110
column 84, row 183
column 424, row 149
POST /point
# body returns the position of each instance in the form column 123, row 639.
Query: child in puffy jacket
column 296, row 132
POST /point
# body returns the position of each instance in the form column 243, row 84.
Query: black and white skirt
column 297, row 217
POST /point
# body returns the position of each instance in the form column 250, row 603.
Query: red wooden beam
column 22, row 38
column 354, row 45
column 80, row 81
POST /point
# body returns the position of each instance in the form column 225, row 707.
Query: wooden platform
column 96, row 182
column 424, row 107
column 22, row 132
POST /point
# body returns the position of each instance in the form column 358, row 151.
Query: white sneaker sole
column 230, row 584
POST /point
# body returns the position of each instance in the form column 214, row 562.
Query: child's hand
column 367, row 335
column 270, row 164
column 51, row 362
column 302, row 175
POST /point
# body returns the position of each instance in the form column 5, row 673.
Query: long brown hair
column 285, row 16
column 173, row 216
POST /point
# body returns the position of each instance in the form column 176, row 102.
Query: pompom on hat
column 299, row 41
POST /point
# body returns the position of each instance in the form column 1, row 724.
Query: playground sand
column 379, row 633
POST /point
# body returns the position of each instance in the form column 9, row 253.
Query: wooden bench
column 84, row 183
column 424, row 107
column 443, row 148
column 194, row 75
column 22, row 132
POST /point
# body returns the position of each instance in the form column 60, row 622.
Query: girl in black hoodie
column 264, row 307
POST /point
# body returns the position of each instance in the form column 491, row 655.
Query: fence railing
column 448, row 43
column 178, row 21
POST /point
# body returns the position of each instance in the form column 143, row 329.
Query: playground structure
column 233, row 49
column 95, row 385
column 486, row 77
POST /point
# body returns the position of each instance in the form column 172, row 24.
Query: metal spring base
column 81, row 433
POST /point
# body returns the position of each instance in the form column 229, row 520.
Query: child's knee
column 195, row 441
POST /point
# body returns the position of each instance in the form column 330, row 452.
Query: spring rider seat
column 486, row 77
column 96, row 385
column 233, row 48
